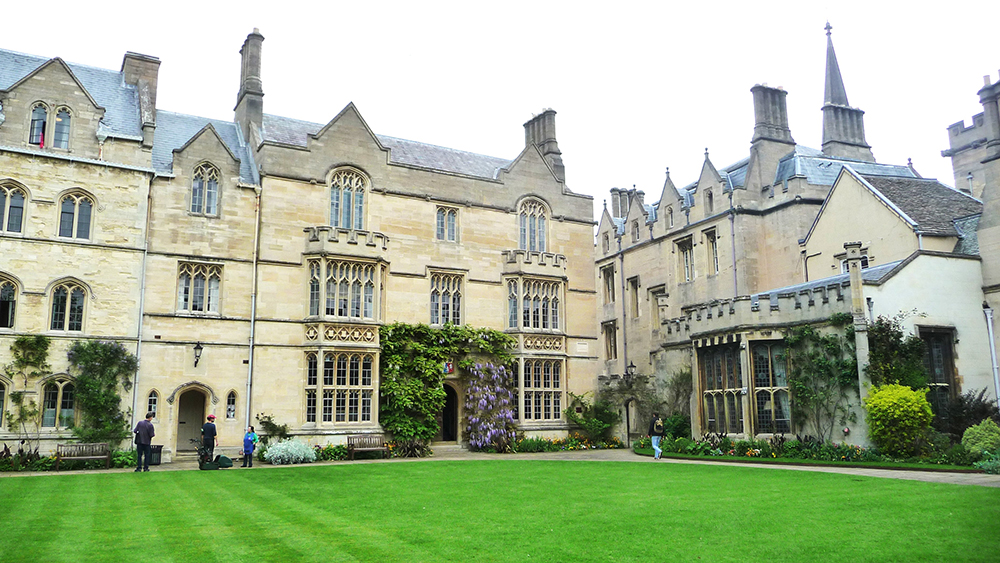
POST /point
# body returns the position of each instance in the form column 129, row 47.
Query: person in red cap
column 210, row 436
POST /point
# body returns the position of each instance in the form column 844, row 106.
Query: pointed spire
column 835, row 92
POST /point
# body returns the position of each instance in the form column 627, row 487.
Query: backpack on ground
column 658, row 426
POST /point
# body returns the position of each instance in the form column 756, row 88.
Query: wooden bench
column 366, row 443
column 84, row 451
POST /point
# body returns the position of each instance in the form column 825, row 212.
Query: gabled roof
column 295, row 132
column 931, row 204
column 175, row 130
column 106, row 87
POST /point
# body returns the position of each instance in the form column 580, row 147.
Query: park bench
column 84, row 451
column 366, row 443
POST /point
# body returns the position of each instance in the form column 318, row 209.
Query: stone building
column 975, row 154
column 691, row 281
column 250, row 264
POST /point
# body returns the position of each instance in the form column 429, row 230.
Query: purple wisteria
column 490, row 407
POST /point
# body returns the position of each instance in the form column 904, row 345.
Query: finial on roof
column 605, row 205
column 909, row 162
column 668, row 171
column 706, row 152
column 828, row 28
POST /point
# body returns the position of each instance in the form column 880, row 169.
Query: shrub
column 983, row 437
column 331, row 453
column 409, row 448
column 123, row 458
column 289, row 452
column 489, row 405
column 965, row 410
column 897, row 418
column 677, row 425
column 990, row 463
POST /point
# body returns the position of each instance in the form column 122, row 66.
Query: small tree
column 102, row 368
column 895, row 357
column 823, row 370
column 489, row 403
column 30, row 361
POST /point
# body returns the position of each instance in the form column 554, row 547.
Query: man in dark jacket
column 656, row 434
column 210, row 436
column 143, row 438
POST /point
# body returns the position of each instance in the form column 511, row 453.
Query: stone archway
column 190, row 415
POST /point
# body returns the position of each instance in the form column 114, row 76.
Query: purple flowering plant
column 489, row 403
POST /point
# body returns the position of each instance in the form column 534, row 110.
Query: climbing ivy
column 412, row 363
column 823, row 369
column 101, row 369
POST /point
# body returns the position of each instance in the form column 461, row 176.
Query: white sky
column 638, row 87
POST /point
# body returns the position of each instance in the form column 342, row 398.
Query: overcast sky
column 638, row 87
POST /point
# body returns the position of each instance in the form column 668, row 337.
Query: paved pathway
column 451, row 453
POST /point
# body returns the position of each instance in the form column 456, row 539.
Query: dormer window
column 205, row 190
column 39, row 117
column 60, row 139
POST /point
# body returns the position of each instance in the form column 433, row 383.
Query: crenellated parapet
column 533, row 262
column 814, row 303
column 334, row 240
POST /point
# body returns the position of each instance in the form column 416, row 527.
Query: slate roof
column 107, row 87
column 296, row 132
column 822, row 170
column 173, row 130
column 968, row 239
column 872, row 275
column 933, row 205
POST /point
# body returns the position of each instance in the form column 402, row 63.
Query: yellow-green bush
column 897, row 418
column 983, row 437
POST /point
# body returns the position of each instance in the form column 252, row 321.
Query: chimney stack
column 770, row 115
column 615, row 203
column 541, row 131
column 142, row 71
column 250, row 100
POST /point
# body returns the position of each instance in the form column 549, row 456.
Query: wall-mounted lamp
column 197, row 353
column 629, row 374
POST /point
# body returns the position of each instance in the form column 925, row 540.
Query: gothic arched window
column 347, row 199
column 532, row 223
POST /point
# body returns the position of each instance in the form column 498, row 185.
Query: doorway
column 449, row 416
column 190, row 415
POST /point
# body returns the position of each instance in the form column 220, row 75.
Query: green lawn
column 503, row 510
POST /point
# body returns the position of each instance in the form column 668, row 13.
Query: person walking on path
column 210, row 437
column 656, row 434
column 143, row 438
column 249, row 445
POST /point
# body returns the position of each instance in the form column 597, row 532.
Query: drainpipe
column 920, row 241
column 142, row 300
column 993, row 349
column 732, row 236
column 621, row 256
column 253, row 296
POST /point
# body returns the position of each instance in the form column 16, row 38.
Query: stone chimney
column 772, row 139
column 770, row 113
column 843, row 126
column 615, row 203
column 142, row 71
column 541, row 131
column 250, row 100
